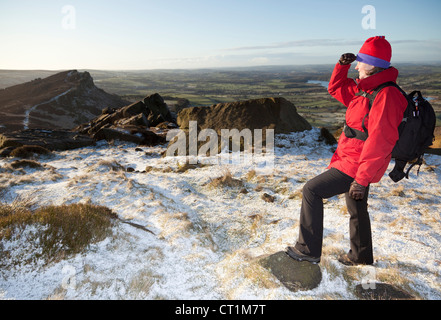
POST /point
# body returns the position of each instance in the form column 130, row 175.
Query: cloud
column 314, row 51
column 260, row 60
column 327, row 43
column 300, row 43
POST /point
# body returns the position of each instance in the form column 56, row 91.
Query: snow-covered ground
column 206, row 239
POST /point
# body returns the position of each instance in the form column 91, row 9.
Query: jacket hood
column 372, row 82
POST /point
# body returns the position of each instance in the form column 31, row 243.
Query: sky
column 193, row 34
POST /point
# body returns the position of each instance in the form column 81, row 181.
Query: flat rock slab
column 382, row 291
column 49, row 139
column 295, row 275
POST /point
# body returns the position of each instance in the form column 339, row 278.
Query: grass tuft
column 225, row 180
column 52, row 232
column 27, row 152
column 25, row 164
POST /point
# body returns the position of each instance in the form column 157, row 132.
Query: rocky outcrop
column 144, row 122
column 267, row 113
column 61, row 101
column 49, row 139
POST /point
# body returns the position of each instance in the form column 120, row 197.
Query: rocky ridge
column 61, row 101
column 145, row 122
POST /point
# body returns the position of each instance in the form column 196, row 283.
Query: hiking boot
column 297, row 255
column 344, row 259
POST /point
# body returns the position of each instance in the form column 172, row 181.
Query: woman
column 357, row 162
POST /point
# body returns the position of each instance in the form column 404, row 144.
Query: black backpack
column 416, row 131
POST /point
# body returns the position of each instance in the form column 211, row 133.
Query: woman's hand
column 347, row 58
column 357, row 191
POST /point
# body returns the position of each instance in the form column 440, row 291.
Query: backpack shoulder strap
column 373, row 95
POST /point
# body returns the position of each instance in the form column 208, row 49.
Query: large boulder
column 158, row 110
column 277, row 114
column 266, row 113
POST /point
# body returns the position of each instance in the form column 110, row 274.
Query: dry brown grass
column 250, row 175
column 225, row 180
column 25, row 164
column 296, row 195
column 184, row 167
column 397, row 192
column 27, row 152
column 57, row 231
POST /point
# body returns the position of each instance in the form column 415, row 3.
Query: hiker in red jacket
column 362, row 156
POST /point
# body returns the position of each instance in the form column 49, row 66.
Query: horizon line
column 432, row 62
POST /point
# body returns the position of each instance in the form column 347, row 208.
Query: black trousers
column 331, row 183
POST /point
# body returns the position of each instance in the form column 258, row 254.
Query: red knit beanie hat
column 376, row 52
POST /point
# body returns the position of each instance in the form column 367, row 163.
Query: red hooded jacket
column 367, row 161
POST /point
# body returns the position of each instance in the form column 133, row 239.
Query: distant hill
column 9, row 78
column 60, row 101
